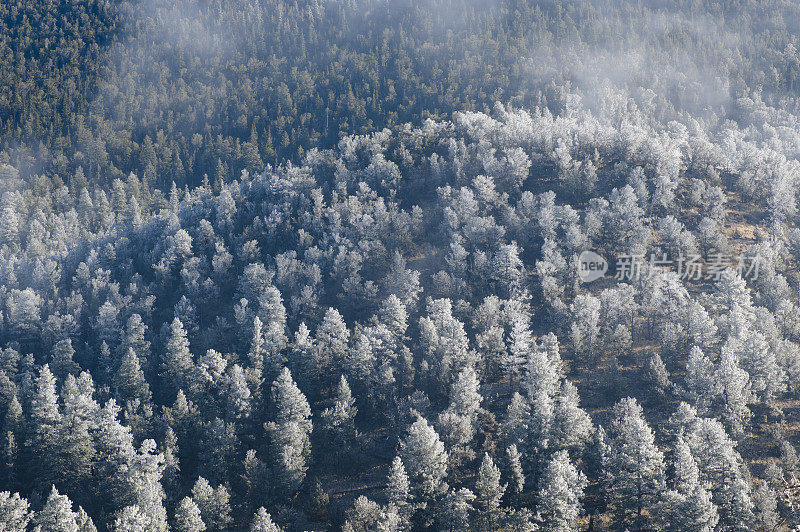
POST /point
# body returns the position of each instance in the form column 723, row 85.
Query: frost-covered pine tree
column 456, row 510
column 757, row 357
column 114, row 453
column 539, row 427
column 394, row 315
column 339, row 420
column 519, row 348
column 514, row 428
column 398, row 491
column 489, row 492
column 700, row 380
column 9, row 226
column 289, row 433
column 789, row 459
column 730, row 291
column 766, row 507
column 723, row 471
column 273, row 317
column 75, row 449
column 135, row 338
column 688, row 506
column 585, row 328
column 364, row 515
column 62, row 362
column 635, row 466
column 444, row 342
column 214, row 504
column 145, row 473
column 560, row 494
column 129, row 379
column 177, row 366
column 686, row 473
column 85, row 523
column 43, row 435
column 256, row 355
column 425, row 459
column 15, row 514
column 571, row 425
column 239, row 398
column 331, row 346
column 457, row 423
column 465, row 397
column 57, row 514
column 657, row 374
column 515, row 470
column 540, row 375
column 131, row 519
column 262, row 522
column 508, row 270
column 302, row 358
column 187, row 517
column 733, row 391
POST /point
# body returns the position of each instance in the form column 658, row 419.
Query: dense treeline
column 411, row 292
column 314, row 265
column 180, row 90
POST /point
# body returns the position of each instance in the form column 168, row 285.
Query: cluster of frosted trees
column 393, row 336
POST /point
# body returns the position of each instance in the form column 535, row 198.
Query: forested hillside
column 178, row 90
column 271, row 265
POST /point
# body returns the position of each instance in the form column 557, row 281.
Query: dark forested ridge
column 272, row 265
column 175, row 91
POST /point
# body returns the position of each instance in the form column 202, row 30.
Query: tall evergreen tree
column 187, row 517
column 256, row 355
column 635, row 466
column 57, row 514
column 177, row 365
column 722, row 469
column 75, row 446
column 14, row 512
column 85, row 523
column 733, row 389
column 699, row 379
column 688, row 506
column 515, row 469
column 561, row 493
column 62, row 359
column 425, row 458
column 465, row 397
column 114, row 454
column 540, row 375
column 398, row 491
column 214, row 504
column 43, row 435
column 131, row 519
column 445, row 346
column 289, row 433
column 239, row 398
column 331, row 345
column 135, row 337
column 339, row 419
column 489, row 492
column 519, row 350
column 766, row 506
column 145, row 473
column 456, row 510
column 262, row 522
column 129, row 379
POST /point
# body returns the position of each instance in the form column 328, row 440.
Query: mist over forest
column 399, row 266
